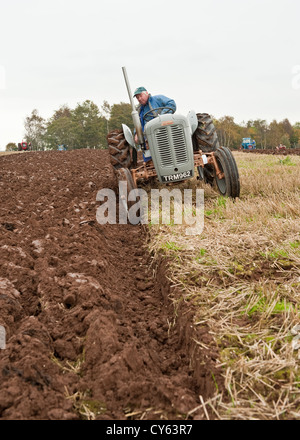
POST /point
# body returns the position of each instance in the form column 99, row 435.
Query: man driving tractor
column 149, row 105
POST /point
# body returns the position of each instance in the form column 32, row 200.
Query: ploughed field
column 90, row 330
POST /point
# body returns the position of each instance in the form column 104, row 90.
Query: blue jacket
column 154, row 102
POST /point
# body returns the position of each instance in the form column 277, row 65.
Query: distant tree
column 275, row 133
column 287, row 126
column 35, row 127
column 257, row 129
column 296, row 138
column 289, row 130
column 251, row 129
column 59, row 129
column 11, row 147
column 243, row 130
column 63, row 112
column 106, row 111
column 228, row 132
column 89, row 127
column 285, row 140
column 120, row 114
column 261, row 132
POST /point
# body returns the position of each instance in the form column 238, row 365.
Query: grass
column 71, row 367
column 242, row 277
column 86, row 407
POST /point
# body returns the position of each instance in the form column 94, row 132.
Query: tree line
column 266, row 136
column 87, row 125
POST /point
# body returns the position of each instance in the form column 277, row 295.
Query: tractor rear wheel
column 205, row 137
column 229, row 185
column 119, row 150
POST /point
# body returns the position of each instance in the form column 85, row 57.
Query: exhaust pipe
column 134, row 114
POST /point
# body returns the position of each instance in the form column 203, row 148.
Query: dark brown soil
column 87, row 316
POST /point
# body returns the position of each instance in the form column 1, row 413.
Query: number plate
column 177, row 176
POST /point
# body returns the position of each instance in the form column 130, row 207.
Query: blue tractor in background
column 62, row 147
column 248, row 144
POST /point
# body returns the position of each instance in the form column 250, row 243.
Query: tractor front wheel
column 229, row 184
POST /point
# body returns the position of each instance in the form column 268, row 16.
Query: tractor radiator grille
column 179, row 144
column 168, row 137
column 164, row 150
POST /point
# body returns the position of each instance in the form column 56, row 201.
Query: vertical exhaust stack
column 134, row 113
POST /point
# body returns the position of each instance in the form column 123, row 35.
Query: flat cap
column 139, row 90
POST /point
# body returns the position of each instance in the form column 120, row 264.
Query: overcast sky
column 224, row 57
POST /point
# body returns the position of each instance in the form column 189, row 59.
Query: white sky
column 224, row 57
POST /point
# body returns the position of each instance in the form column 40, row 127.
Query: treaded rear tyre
column 119, row 150
column 205, row 137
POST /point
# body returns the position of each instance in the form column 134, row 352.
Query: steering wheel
column 170, row 110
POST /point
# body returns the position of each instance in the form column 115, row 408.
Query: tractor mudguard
column 193, row 120
column 128, row 135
